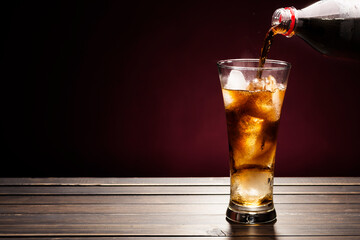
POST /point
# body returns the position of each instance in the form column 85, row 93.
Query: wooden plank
column 175, row 181
column 169, row 209
column 195, row 181
column 159, row 199
column 317, row 181
column 198, row 238
column 129, row 190
column 196, row 229
column 291, row 218
column 168, row 190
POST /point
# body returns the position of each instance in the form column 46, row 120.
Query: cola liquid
column 267, row 44
column 332, row 37
column 252, row 122
column 265, row 49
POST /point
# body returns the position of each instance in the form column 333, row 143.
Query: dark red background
column 108, row 88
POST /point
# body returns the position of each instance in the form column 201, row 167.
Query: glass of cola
column 253, row 98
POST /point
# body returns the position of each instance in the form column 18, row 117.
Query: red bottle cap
column 292, row 23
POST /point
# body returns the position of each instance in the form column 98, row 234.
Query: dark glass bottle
column 330, row 26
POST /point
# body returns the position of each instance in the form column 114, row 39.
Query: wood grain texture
column 171, row 219
column 198, row 238
column 164, row 199
column 167, row 190
column 195, row 229
column 219, row 181
column 176, row 208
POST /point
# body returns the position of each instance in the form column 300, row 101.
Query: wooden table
column 172, row 208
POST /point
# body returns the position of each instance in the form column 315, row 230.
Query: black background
column 115, row 88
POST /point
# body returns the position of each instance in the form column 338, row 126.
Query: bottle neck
column 284, row 21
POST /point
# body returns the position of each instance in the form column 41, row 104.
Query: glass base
column 251, row 215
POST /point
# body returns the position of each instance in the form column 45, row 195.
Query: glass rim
column 280, row 65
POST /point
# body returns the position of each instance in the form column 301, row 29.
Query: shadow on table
column 258, row 230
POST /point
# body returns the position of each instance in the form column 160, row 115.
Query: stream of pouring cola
column 266, row 48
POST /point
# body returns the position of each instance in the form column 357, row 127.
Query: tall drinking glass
column 253, row 99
